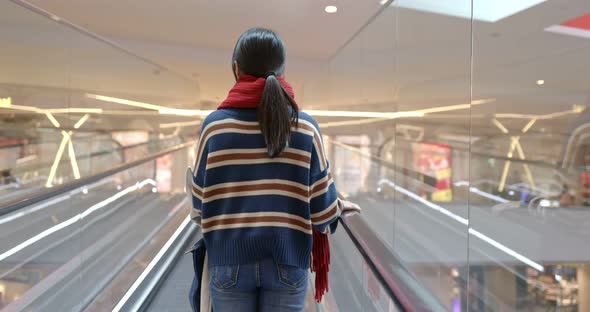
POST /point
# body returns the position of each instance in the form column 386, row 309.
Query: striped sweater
column 251, row 206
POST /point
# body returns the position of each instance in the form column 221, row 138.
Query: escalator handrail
column 66, row 187
column 120, row 148
column 400, row 284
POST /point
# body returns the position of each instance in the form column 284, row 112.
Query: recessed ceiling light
column 540, row 82
column 331, row 9
column 382, row 2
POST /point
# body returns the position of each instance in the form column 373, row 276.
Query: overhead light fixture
column 184, row 112
column 6, row 102
column 382, row 2
column 80, row 110
column 540, row 82
column 164, row 110
column 529, row 125
column 52, row 119
column 394, row 115
column 331, row 9
column 81, row 121
column 124, row 101
column 500, row 126
column 180, row 124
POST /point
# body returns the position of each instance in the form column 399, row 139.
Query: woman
column 262, row 186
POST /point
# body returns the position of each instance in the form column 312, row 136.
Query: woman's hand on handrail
column 349, row 208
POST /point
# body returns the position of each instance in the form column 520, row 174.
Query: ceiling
column 308, row 31
column 196, row 37
column 403, row 60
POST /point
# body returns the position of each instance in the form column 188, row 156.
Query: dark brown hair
column 260, row 52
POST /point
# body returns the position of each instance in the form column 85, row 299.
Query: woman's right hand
column 349, row 208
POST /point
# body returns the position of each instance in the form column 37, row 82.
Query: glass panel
column 529, row 173
column 362, row 79
column 67, row 112
column 363, row 291
column 71, row 106
column 431, row 151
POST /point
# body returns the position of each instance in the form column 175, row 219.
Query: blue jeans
column 263, row 286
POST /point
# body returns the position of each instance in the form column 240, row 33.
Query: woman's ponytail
column 277, row 113
column 260, row 52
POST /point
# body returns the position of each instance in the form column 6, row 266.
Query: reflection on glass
column 74, row 250
column 484, row 196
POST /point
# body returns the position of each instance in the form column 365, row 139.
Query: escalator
column 116, row 241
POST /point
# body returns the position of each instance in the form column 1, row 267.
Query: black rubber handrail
column 66, row 187
column 400, row 284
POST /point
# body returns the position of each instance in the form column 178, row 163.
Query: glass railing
column 73, row 104
column 104, row 153
column 477, row 171
column 83, row 247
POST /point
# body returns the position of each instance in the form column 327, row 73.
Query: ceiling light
column 382, row 2
column 331, row 9
column 6, row 102
column 81, row 121
column 540, row 82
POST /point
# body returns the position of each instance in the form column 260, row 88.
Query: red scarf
column 246, row 93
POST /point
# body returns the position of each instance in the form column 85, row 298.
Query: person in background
column 262, row 189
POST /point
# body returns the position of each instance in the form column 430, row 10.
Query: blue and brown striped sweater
column 251, row 206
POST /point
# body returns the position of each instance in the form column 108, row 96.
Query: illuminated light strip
column 506, row 250
column 151, row 265
column 6, row 102
column 74, row 219
column 52, row 119
column 529, row 125
column 55, row 164
column 72, row 156
column 124, row 101
column 55, row 110
column 515, row 116
column 180, row 124
column 127, row 112
column 471, row 230
column 479, row 192
column 448, row 108
column 27, row 108
column 22, row 213
column 575, row 110
column 527, row 170
column 38, row 207
column 26, row 159
column 394, row 115
column 184, row 112
column 197, row 112
column 81, row 121
column 351, row 122
column 500, row 126
column 425, row 202
column 74, row 110
column 506, row 166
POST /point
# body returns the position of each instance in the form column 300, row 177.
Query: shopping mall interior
column 461, row 128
